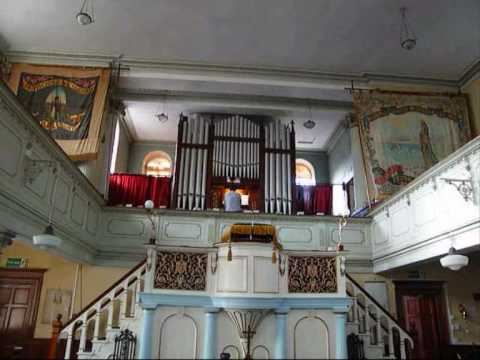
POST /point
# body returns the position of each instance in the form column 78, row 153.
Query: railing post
column 83, row 335
column 391, row 350
column 379, row 328
column 138, row 290
column 123, row 301
column 403, row 350
column 354, row 306
column 68, row 347
column 56, row 326
column 96, row 329
column 110, row 314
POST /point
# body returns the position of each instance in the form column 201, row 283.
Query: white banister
column 106, row 302
column 379, row 328
column 123, row 301
column 367, row 322
column 68, row 347
column 96, row 329
column 83, row 335
column 110, row 311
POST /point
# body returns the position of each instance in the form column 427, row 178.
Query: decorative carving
column 246, row 322
column 181, row 271
column 463, row 186
column 312, row 274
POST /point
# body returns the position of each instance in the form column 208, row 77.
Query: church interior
column 239, row 179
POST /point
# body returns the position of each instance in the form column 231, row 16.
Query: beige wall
column 459, row 285
column 473, row 91
column 60, row 275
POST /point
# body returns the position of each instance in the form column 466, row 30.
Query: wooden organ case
column 258, row 150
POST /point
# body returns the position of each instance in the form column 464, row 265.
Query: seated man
column 232, row 199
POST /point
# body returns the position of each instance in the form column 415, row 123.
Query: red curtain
column 314, row 199
column 136, row 189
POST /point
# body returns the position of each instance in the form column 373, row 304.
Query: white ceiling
column 145, row 127
column 287, row 37
column 338, row 36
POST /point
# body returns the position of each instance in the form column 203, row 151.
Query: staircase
column 378, row 335
column 372, row 332
column 94, row 329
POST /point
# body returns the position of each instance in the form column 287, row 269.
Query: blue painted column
column 145, row 350
column 210, row 334
column 341, row 335
column 281, row 335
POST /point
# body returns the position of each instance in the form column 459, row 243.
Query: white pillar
column 341, row 335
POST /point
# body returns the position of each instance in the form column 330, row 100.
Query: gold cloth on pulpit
column 264, row 233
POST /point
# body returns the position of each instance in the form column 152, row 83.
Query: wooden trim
column 293, row 171
column 238, row 139
column 196, row 146
column 178, row 159
column 261, row 175
column 210, row 141
column 278, row 151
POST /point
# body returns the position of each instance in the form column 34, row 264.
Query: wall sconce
column 463, row 186
column 32, row 167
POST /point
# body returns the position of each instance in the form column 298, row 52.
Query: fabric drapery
column 136, row 189
column 314, row 199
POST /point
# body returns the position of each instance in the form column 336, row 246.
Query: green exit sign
column 15, row 262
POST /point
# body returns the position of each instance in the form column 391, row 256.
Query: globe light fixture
column 408, row 40
column 454, row 261
column 309, row 124
column 162, row 118
column 47, row 239
column 85, row 15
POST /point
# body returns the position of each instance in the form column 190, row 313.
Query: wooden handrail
column 370, row 298
column 99, row 297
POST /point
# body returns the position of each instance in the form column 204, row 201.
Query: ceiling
column 262, row 57
column 337, row 36
column 145, row 127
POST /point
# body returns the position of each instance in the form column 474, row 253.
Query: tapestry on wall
column 66, row 102
column 404, row 134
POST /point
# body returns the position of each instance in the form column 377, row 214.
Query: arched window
column 157, row 163
column 304, row 172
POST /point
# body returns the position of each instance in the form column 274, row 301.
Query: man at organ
column 232, row 199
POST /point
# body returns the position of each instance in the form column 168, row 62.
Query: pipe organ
column 258, row 150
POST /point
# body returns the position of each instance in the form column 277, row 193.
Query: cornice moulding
column 263, row 101
column 337, row 134
column 279, row 76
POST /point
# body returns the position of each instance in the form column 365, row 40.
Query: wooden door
column 421, row 310
column 19, row 297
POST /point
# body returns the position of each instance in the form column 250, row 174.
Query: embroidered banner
column 403, row 134
column 66, row 102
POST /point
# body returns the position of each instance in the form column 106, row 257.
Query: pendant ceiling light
column 309, row 124
column 408, row 40
column 85, row 15
column 454, row 261
column 47, row 239
column 163, row 117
